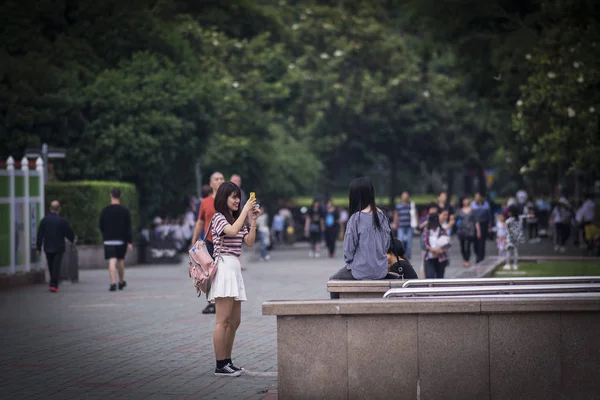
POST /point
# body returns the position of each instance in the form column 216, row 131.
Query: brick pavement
column 149, row 341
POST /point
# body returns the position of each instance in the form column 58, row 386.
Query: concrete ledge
column 483, row 269
column 363, row 289
column 476, row 348
column 533, row 303
column 22, row 279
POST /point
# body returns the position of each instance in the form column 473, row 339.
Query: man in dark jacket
column 115, row 225
column 51, row 234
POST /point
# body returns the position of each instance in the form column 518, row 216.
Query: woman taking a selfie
column 227, row 290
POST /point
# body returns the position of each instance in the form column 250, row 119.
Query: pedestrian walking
column 561, row 218
column 502, row 237
column 115, row 226
column 443, row 204
column 278, row 228
column 584, row 217
column 436, row 243
column 264, row 234
column 314, row 226
column 514, row 237
column 483, row 216
column 51, row 236
column 402, row 223
column 332, row 227
column 227, row 291
column 205, row 214
column 237, row 179
column 467, row 230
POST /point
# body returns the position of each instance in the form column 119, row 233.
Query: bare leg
column 224, row 307
column 514, row 256
column 112, row 270
column 121, row 264
column 236, row 318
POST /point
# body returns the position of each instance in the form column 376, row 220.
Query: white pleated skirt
column 228, row 280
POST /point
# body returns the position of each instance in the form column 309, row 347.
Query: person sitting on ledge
column 367, row 237
column 396, row 262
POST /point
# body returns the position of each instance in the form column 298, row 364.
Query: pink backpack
column 201, row 267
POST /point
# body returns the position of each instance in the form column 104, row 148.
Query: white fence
column 21, row 210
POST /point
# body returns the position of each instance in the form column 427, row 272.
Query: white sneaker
column 556, row 248
column 515, row 267
column 506, row 267
column 317, row 255
column 267, row 257
column 562, row 249
column 311, row 254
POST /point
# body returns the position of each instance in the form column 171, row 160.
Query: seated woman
column 367, row 237
column 397, row 264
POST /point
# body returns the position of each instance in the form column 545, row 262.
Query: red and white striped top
column 224, row 244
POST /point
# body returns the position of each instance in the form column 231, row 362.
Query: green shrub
column 83, row 201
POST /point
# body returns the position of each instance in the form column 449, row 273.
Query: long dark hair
column 361, row 195
column 225, row 190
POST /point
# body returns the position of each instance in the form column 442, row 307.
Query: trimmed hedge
column 82, row 202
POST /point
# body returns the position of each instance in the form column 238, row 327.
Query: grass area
column 563, row 268
column 342, row 200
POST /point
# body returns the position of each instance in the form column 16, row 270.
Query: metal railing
column 492, row 290
column 500, row 281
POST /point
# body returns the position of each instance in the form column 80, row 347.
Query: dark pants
column 465, row 247
column 344, row 274
column 330, row 238
column 434, row 269
column 480, row 244
column 54, row 260
column 533, row 230
column 561, row 233
column 314, row 238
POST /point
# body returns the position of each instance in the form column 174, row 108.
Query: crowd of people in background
column 473, row 221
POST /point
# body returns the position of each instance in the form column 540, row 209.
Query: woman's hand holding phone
column 249, row 206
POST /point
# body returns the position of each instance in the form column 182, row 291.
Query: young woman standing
column 227, row 290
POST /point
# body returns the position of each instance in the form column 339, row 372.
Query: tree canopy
column 297, row 95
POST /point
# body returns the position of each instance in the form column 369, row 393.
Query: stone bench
column 535, row 346
column 377, row 288
column 363, row 289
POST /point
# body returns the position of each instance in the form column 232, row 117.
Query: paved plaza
column 150, row 341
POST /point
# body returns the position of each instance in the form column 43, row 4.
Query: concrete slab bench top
column 494, row 304
column 378, row 286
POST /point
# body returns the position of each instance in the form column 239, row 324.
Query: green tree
column 556, row 119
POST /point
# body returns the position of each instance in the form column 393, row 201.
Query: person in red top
column 205, row 214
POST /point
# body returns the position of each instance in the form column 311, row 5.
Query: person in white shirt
column 264, row 234
column 584, row 217
column 560, row 217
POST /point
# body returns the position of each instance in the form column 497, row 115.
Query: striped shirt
column 224, row 244
column 403, row 211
